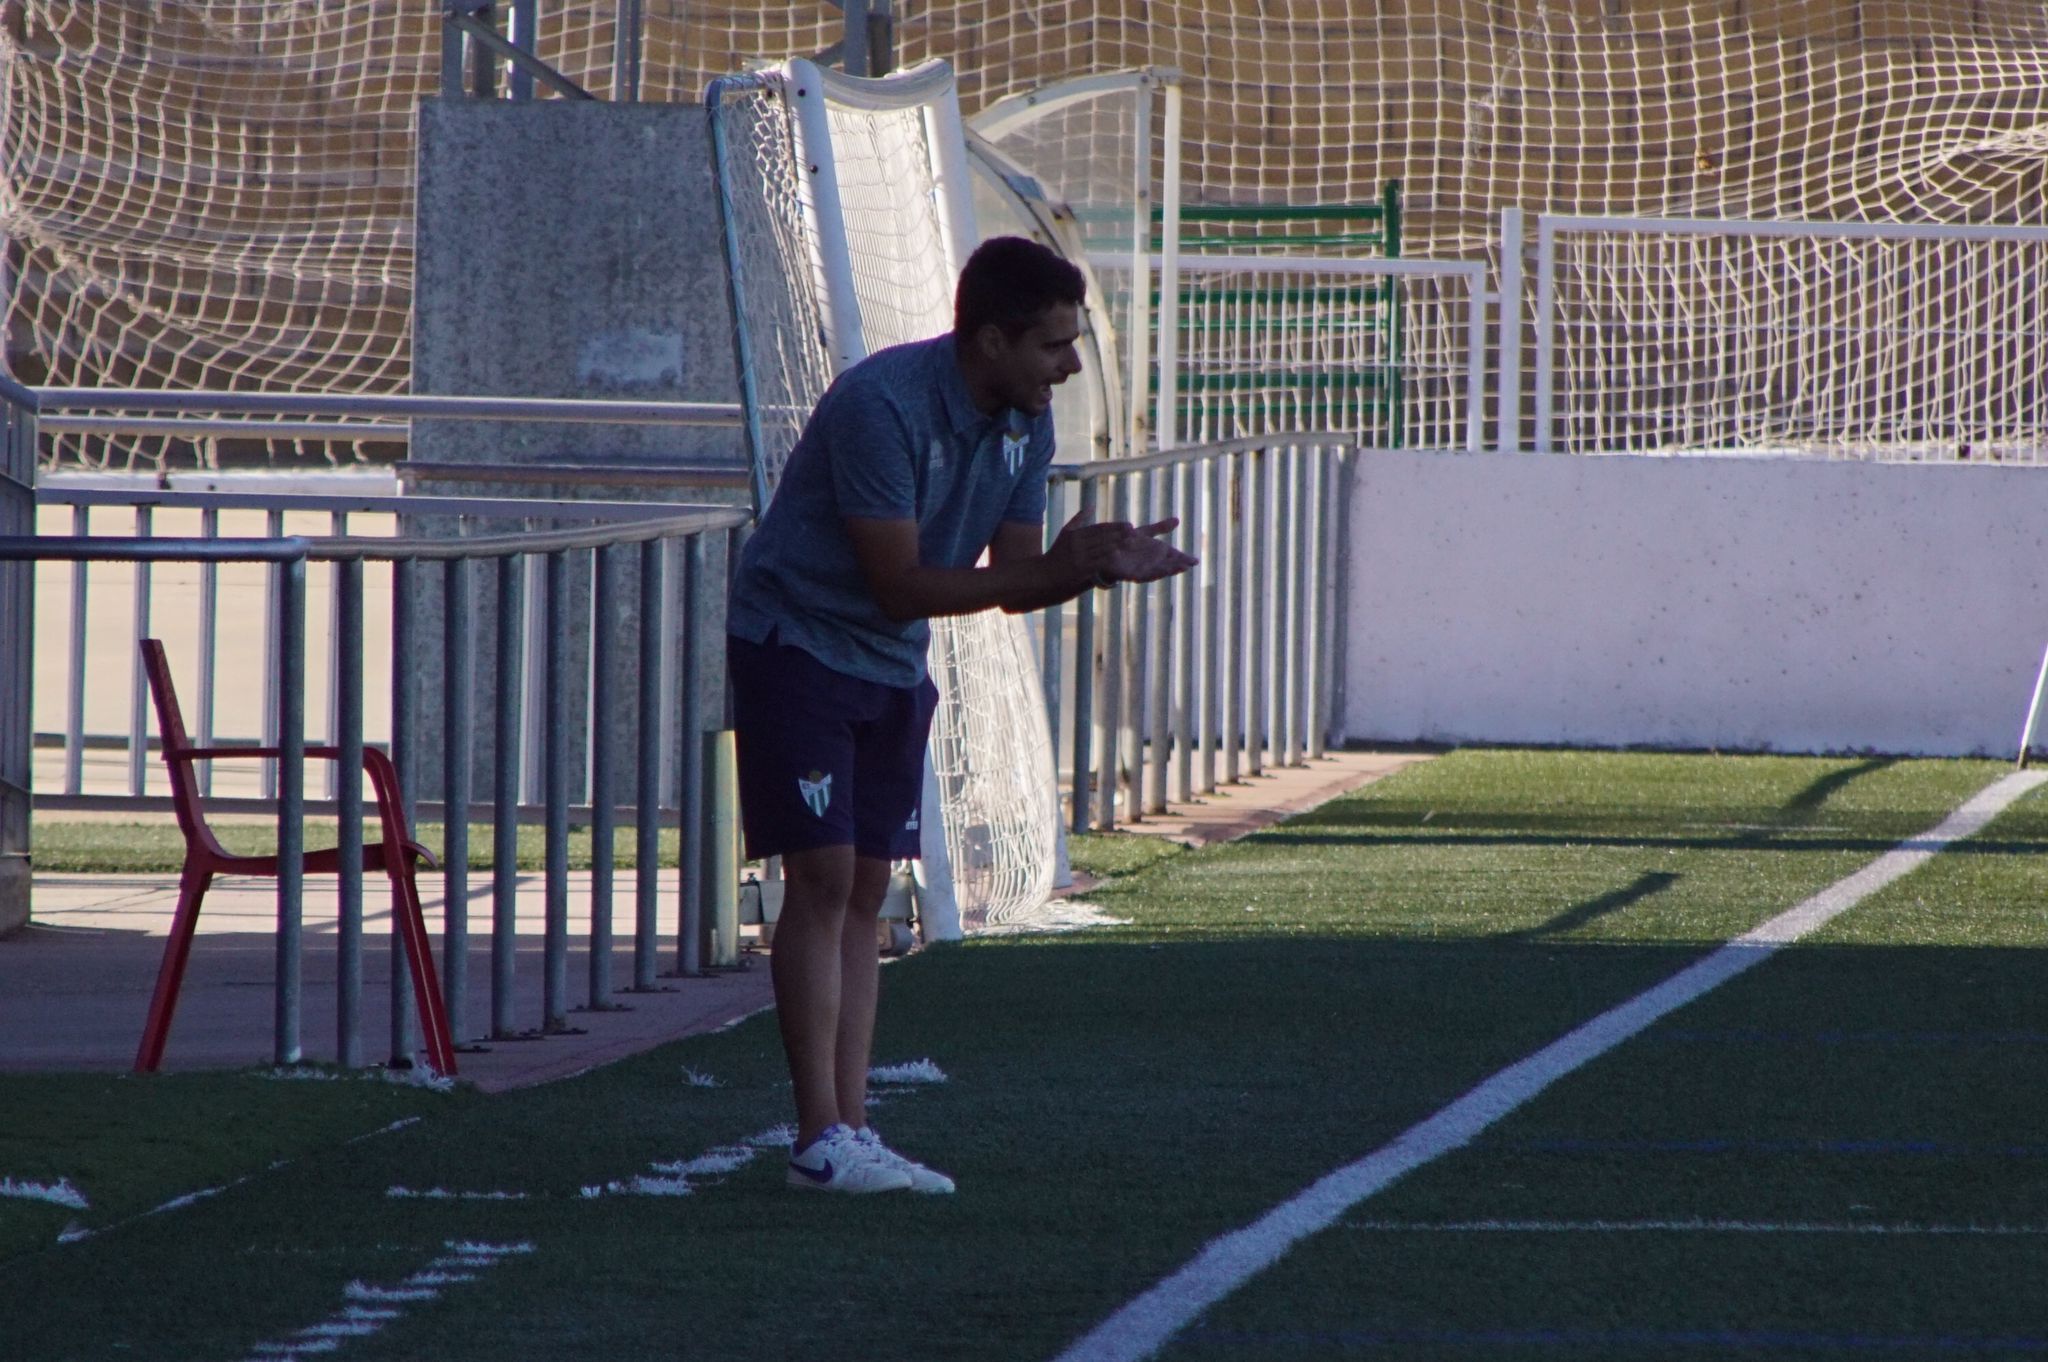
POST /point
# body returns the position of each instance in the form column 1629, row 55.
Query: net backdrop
column 218, row 192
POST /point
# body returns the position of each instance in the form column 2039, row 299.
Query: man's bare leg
column 860, row 967
column 806, row 967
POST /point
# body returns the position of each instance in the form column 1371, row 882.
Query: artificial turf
column 1268, row 1011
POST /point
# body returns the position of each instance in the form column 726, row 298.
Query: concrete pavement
column 75, row 984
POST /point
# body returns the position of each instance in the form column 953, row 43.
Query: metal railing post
column 1186, row 494
column 348, row 794
column 690, row 734
column 138, row 688
column 273, row 598
column 1238, row 478
column 1304, row 609
column 458, row 713
column 1111, row 696
column 209, row 645
column 1084, row 684
column 1213, row 563
column 555, row 795
column 290, row 719
column 1158, row 644
column 404, row 757
column 647, row 774
column 1258, row 514
column 505, row 797
column 74, row 678
column 603, row 698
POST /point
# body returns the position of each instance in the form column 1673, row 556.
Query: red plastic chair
column 205, row 857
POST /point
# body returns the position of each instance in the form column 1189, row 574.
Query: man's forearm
column 1022, row 585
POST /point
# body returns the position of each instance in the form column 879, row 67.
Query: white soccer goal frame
column 1551, row 227
column 970, row 647
column 1142, row 85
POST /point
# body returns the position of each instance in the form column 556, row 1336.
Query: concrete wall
column 1755, row 604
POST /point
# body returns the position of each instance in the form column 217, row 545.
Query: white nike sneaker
column 922, row 1179
column 838, row 1162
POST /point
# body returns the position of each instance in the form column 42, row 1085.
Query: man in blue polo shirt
column 916, row 460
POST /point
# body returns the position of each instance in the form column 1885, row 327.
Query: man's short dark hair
column 1009, row 282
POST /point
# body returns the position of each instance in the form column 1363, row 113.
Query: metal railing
column 1170, row 688
column 702, row 534
column 678, row 553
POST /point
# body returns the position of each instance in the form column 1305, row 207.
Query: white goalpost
column 848, row 213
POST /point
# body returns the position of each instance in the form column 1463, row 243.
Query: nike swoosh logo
column 816, row 1174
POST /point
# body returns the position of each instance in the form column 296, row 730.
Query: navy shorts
column 825, row 759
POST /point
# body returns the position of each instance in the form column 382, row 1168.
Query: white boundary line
column 1858, row 1227
column 1145, row 1324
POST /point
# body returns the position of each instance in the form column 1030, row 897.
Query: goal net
column 219, row 192
column 1921, row 340
column 847, row 219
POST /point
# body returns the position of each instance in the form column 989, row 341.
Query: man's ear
column 990, row 342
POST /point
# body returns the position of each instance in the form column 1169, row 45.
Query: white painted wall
column 1773, row 604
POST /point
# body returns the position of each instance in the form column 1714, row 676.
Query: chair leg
column 435, row 1036
column 170, row 975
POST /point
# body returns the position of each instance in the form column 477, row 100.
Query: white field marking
column 916, row 1071
column 1054, row 915
column 699, row 1080
column 405, row 1078
column 399, row 1124
column 673, row 1176
column 59, row 1193
column 744, row 1016
column 1685, row 1227
column 443, row 1194
column 366, row 1308
column 1146, row 1323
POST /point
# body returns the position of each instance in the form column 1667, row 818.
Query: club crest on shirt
column 1014, row 447
column 816, row 790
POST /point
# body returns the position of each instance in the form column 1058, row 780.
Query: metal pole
column 138, row 689
column 290, row 718
column 603, row 693
column 1508, row 438
column 525, row 20
column 555, row 792
column 690, row 726
column 1112, row 691
column 458, row 686
column 1212, row 645
column 273, row 604
column 647, row 774
column 1159, row 660
column 1546, row 334
column 1084, row 683
column 626, row 45
column 404, row 745
column 1257, row 511
column 1049, row 640
column 1304, row 609
column 1186, row 485
column 348, row 794
column 209, row 644
column 74, row 680
column 337, row 528
column 1318, row 602
column 1238, row 480
column 505, row 796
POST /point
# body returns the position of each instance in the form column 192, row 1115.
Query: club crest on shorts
column 816, row 790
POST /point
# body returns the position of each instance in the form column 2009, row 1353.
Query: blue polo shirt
column 896, row 437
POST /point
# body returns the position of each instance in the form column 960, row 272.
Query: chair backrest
column 171, row 729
